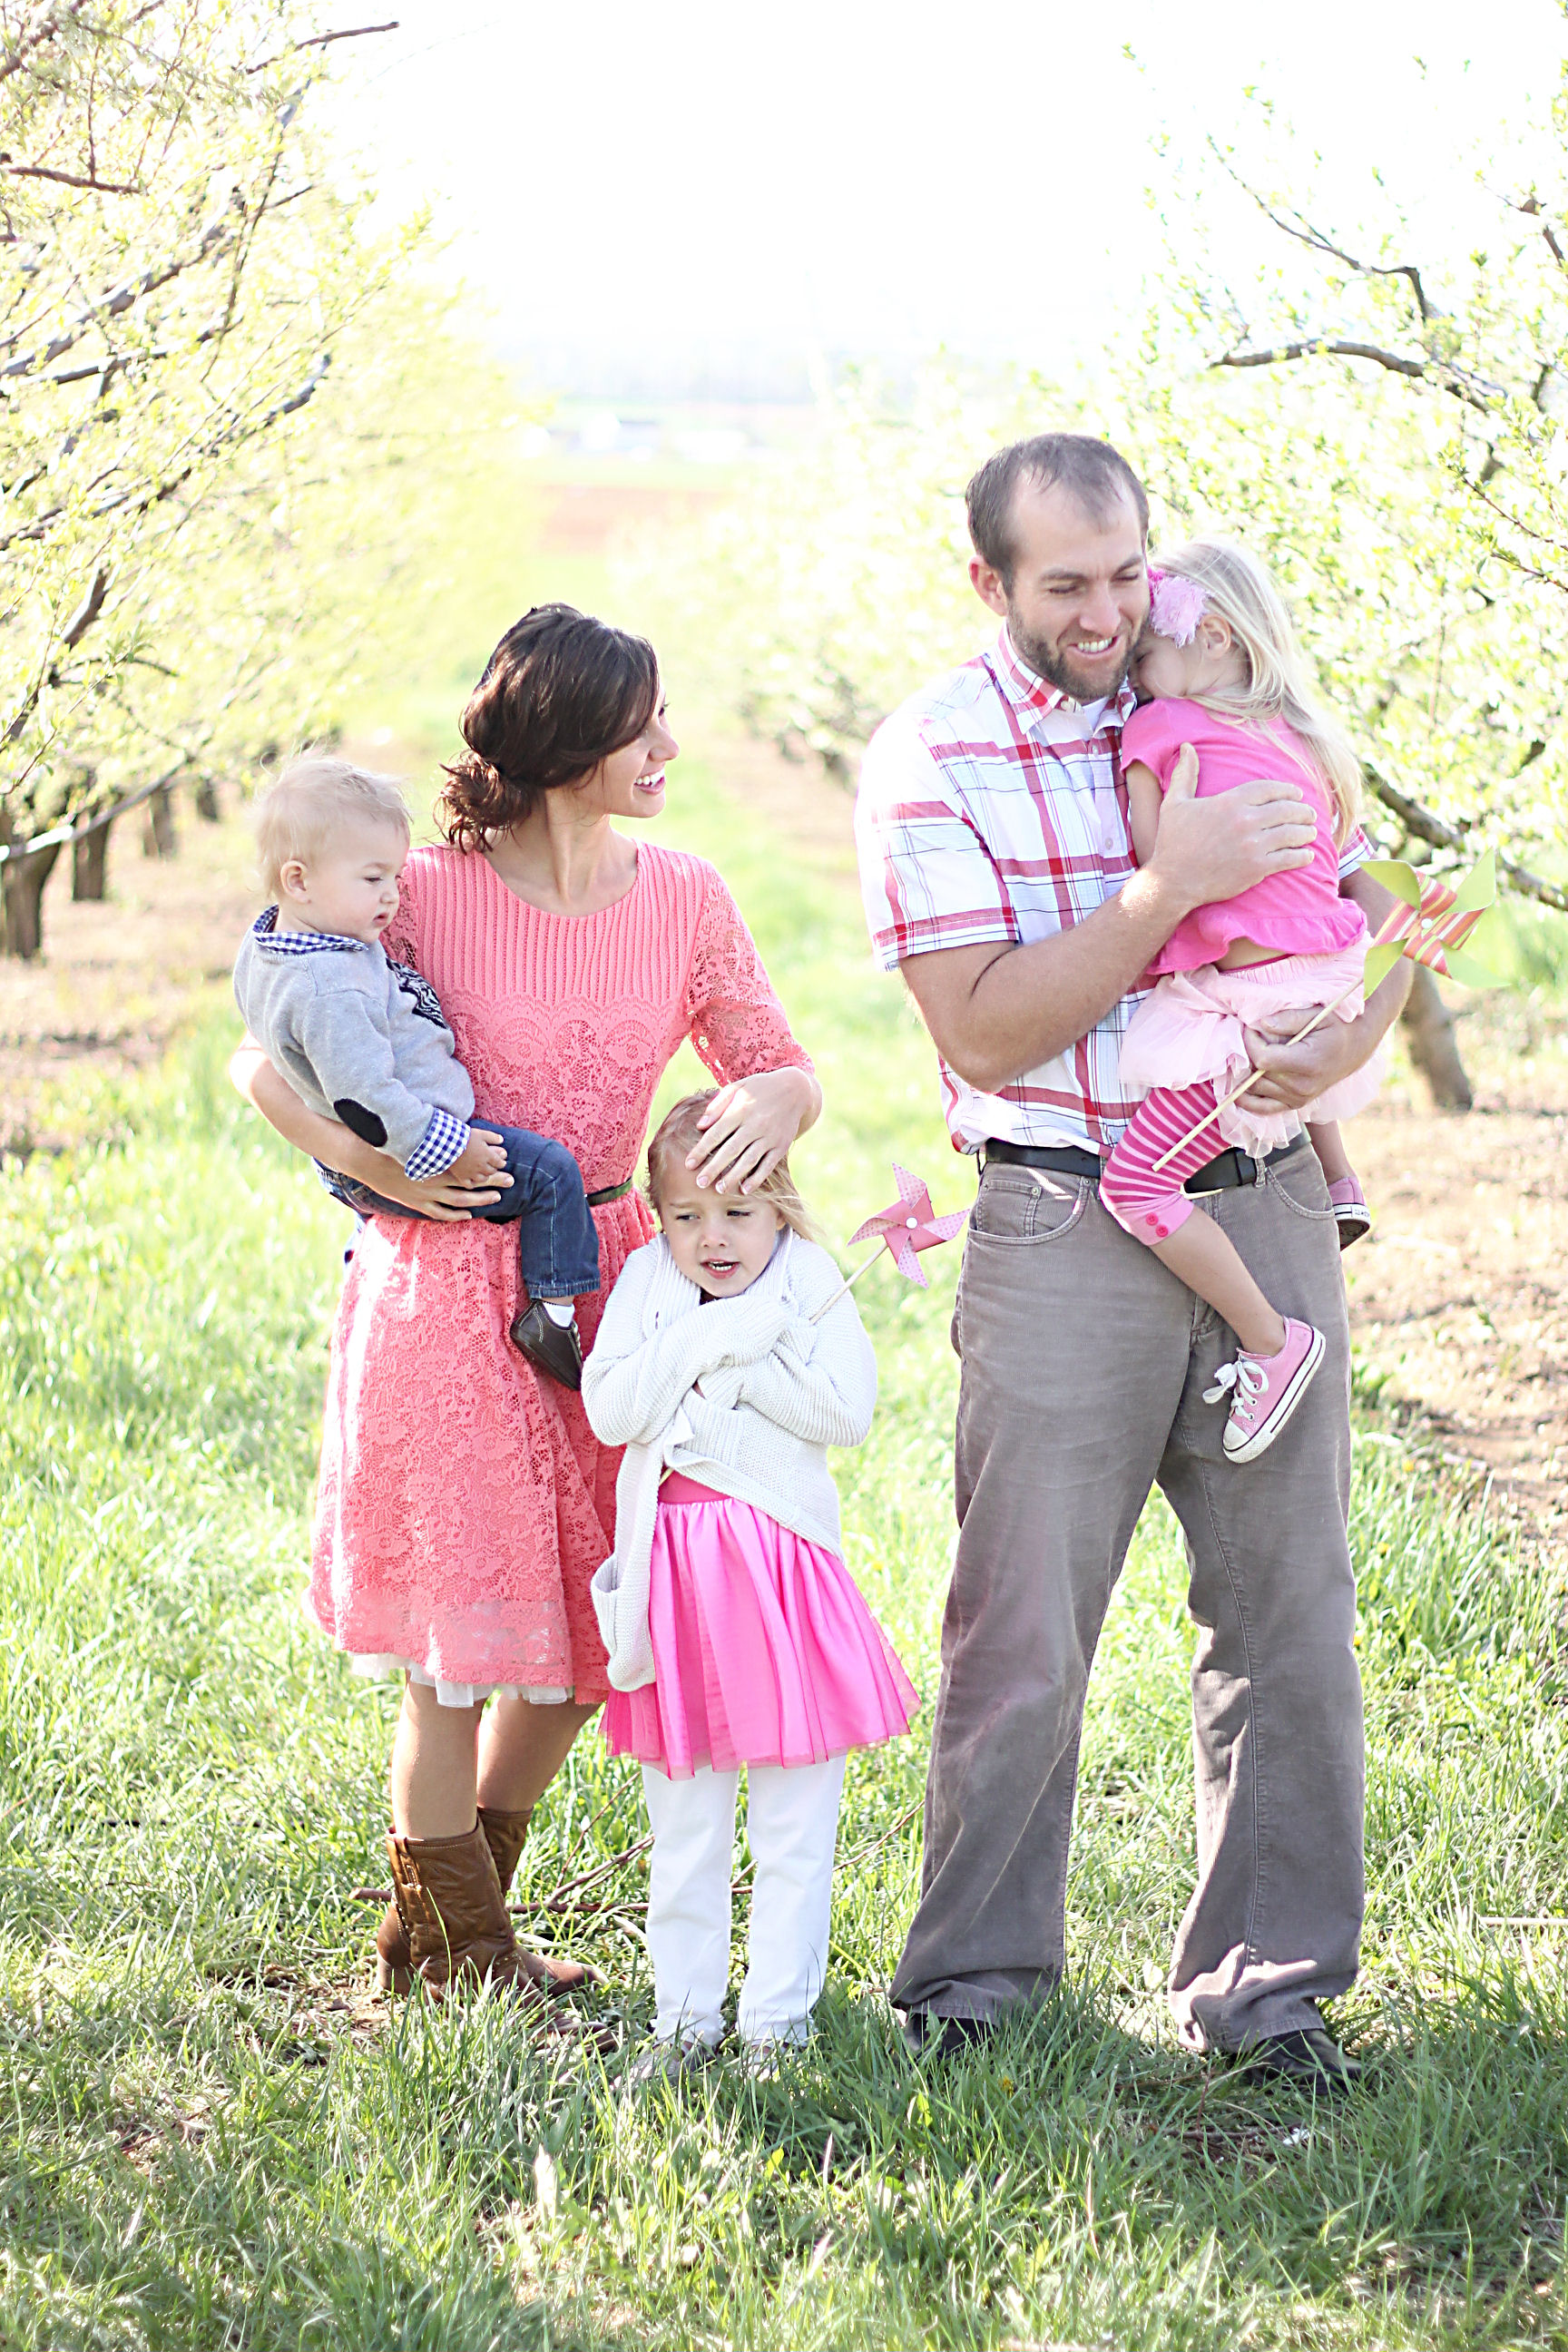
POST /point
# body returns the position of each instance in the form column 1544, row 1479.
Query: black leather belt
column 1225, row 1172
column 611, row 1193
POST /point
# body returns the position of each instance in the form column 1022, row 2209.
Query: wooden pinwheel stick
column 1251, row 1079
column 847, row 1284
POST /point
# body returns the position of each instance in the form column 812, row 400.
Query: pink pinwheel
column 905, row 1229
column 908, row 1226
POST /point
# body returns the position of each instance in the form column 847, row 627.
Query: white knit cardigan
column 776, row 1391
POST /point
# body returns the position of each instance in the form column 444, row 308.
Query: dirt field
column 116, row 980
column 1456, row 1296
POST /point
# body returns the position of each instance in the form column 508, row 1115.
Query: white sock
column 560, row 1310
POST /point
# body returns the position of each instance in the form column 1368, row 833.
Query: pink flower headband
column 1176, row 607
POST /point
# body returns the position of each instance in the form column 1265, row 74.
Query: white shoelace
column 1245, row 1375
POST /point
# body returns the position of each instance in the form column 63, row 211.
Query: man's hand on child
column 1292, row 1075
column 1213, row 849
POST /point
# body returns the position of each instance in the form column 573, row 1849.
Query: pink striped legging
column 1152, row 1206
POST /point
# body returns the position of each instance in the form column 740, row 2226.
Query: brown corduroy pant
column 1084, row 1367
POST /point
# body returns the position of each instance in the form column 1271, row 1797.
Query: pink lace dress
column 465, row 1502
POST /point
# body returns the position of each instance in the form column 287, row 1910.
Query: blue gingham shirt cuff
column 444, row 1140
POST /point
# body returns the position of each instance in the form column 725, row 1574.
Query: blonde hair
column 680, row 1132
column 1237, row 590
column 319, row 796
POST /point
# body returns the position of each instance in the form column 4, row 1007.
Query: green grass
column 212, row 2139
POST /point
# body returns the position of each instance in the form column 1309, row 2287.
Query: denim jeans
column 557, row 1245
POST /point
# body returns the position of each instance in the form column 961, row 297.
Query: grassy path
column 212, row 2136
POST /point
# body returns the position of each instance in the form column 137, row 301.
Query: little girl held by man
column 729, row 1359
column 1220, row 658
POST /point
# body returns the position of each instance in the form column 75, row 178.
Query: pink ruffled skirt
column 764, row 1651
column 1191, row 1029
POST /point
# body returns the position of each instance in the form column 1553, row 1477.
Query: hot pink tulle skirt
column 764, row 1652
column 1191, row 1029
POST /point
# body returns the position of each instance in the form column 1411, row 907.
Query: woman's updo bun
column 560, row 693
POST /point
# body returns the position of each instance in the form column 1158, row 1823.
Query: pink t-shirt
column 1299, row 913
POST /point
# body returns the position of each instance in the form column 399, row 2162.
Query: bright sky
column 868, row 176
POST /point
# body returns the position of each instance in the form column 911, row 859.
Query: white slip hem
column 384, row 1667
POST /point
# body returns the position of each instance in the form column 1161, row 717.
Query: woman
column 465, row 1502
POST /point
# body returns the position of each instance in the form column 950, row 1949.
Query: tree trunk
column 1434, row 1047
column 159, row 838
column 206, row 800
column 22, row 881
column 90, row 865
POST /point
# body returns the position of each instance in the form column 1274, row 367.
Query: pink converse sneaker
column 1351, row 1212
column 1267, row 1391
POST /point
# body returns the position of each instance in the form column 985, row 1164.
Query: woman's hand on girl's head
column 749, row 1125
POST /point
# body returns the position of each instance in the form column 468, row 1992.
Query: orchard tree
column 1418, row 400
column 215, row 391
column 1387, row 414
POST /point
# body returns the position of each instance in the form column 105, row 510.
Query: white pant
column 791, row 1825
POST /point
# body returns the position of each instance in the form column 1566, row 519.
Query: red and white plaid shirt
column 992, row 808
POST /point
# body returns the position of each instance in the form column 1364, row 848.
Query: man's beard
column 1058, row 669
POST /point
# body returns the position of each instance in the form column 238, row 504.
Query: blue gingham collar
column 266, row 934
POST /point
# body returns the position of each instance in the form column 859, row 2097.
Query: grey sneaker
column 927, row 2035
column 669, row 2061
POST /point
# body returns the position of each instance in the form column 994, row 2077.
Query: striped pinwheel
column 1435, row 924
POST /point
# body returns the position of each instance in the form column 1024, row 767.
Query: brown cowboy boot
column 452, row 1913
column 506, row 1834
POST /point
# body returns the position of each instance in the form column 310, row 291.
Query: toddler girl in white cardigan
column 735, row 1632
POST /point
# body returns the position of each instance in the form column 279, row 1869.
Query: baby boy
column 363, row 1040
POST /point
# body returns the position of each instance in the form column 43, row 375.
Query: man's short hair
column 1099, row 477
column 317, row 798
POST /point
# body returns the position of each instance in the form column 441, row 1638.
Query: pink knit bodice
column 464, row 1503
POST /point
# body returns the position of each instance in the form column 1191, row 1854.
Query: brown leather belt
column 1225, row 1172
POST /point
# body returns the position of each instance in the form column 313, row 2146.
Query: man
column 998, row 876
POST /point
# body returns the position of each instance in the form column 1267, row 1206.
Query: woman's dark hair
column 560, row 693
